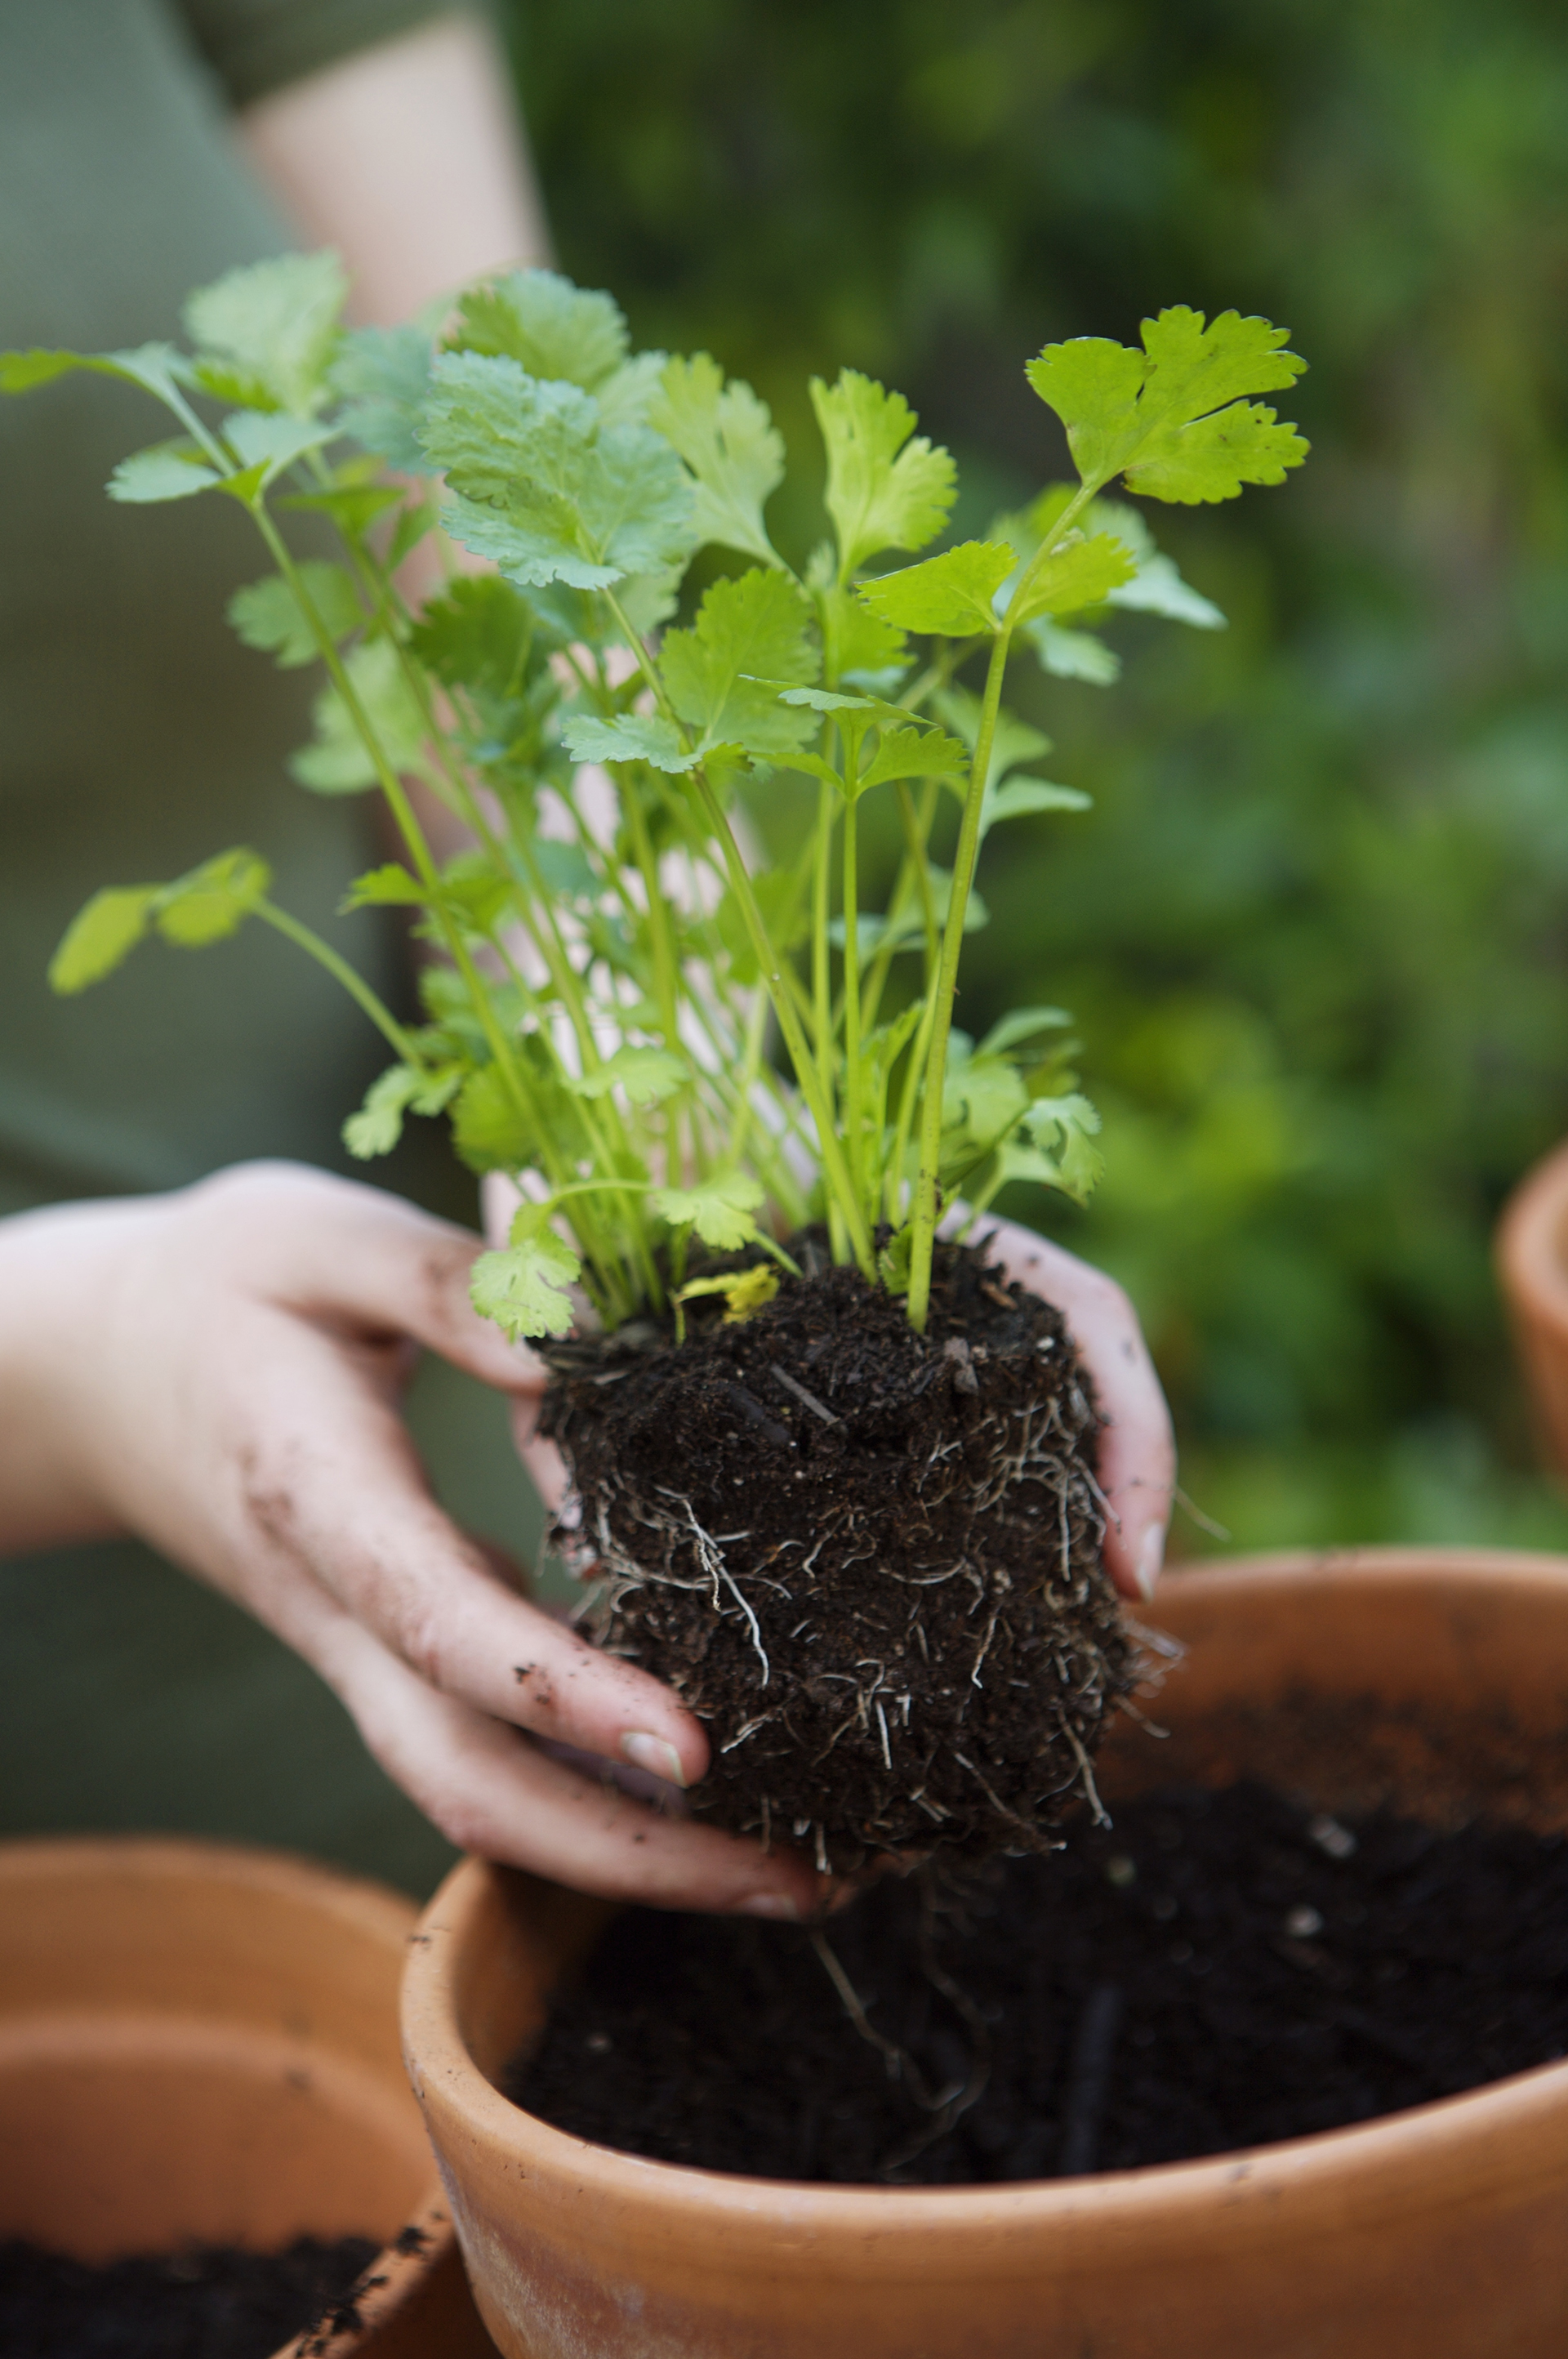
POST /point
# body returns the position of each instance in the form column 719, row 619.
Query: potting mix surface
column 1217, row 1970
column 208, row 2302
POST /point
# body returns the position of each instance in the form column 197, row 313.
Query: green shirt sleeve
column 259, row 45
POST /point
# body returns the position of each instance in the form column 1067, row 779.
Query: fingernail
column 1151, row 1557
column 769, row 1904
column 653, row 1754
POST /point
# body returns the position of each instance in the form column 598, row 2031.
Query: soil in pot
column 867, row 1561
column 1219, row 1970
column 205, row 2302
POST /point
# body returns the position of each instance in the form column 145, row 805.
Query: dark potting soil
column 867, row 1561
column 208, row 2302
column 1218, row 1970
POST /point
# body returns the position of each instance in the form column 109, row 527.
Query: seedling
column 595, row 1026
column 907, row 1637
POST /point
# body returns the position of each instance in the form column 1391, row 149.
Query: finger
column 491, row 1791
column 336, row 1251
column 356, row 1515
column 547, row 1467
column 1138, row 1453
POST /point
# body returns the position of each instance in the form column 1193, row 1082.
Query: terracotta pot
column 1438, row 1677
column 1532, row 1262
column 200, row 2043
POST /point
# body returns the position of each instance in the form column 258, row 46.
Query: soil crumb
column 1219, row 1970
column 867, row 1561
column 207, row 2302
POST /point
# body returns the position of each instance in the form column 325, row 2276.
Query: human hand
column 220, row 1372
column 1138, row 1451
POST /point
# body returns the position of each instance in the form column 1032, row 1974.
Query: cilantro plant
column 605, row 960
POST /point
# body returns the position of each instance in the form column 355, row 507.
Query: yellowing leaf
column 745, row 1292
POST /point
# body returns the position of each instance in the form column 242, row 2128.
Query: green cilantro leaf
column 158, row 369
column 1157, row 587
column 627, row 398
column 166, row 471
column 272, row 327
column 389, row 886
column 728, row 440
column 648, row 1076
column 751, row 624
column 1063, row 1132
column 1018, row 797
column 488, row 1128
column 476, row 633
column 914, row 753
column 952, row 594
column 883, row 490
column 1023, row 1024
column 100, row 935
column 338, row 761
column 1073, row 655
column 1081, row 573
column 719, row 1211
column 520, row 1288
column 984, row 1095
column 197, row 909
column 383, row 374
column 542, row 488
column 628, row 737
column 212, row 901
column 376, row 1128
column 551, row 328
column 1160, row 417
column 267, row 616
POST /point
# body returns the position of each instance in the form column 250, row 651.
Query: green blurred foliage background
column 1315, row 931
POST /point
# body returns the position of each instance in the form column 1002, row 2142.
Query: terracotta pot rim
column 1326, row 2159
column 1532, row 1234
column 359, row 1902
column 208, row 1860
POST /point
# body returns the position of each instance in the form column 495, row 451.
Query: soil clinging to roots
column 867, row 1561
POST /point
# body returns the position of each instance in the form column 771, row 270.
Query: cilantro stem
column 926, row 1190
column 835, row 1171
column 854, row 1076
column 380, row 1015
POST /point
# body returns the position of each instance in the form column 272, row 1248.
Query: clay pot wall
column 198, row 2043
column 1438, row 1679
column 1532, row 1263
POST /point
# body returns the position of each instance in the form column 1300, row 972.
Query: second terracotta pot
column 199, row 2044
column 1532, row 1263
column 1435, row 1678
